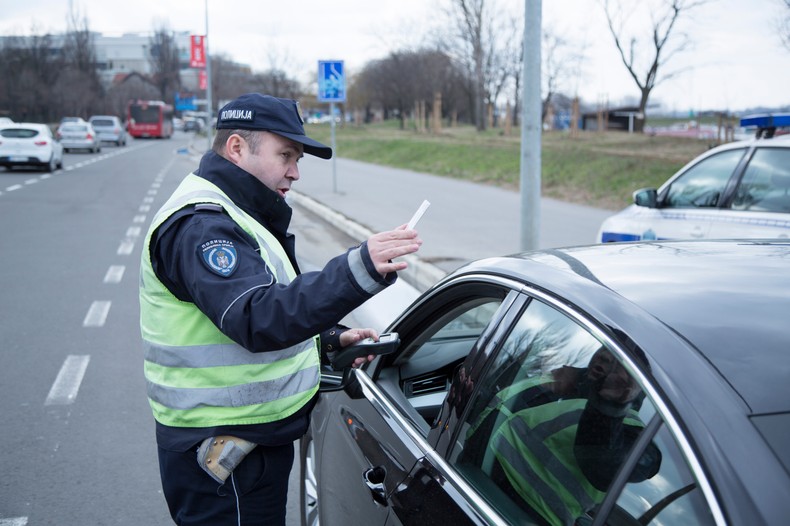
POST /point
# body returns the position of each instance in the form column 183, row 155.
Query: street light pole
column 531, row 128
column 208, row 85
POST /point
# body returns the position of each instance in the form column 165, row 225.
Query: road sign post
column 331, row 89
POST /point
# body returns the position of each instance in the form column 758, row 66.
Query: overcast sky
column 737, row 61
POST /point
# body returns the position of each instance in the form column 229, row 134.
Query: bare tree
column 30, row 70
column 784, row 24
column 164, row 63
column 78, row 87
column 472, row 26
column 663, row 43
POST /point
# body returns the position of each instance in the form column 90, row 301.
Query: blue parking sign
column 331, row 81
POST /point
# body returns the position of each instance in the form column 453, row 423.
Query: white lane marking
column 46, row 176
column 133, row 231
column 114, row 274
column 148, row 199
column 13, row 187
column 16, row 521
column 151, row 192
column 126, row 248
column 66, row 385
column 145, row 208
column 97, row 314
column 31, row 181
column 139, row 219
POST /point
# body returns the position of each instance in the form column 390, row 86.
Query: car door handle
column 374, row 480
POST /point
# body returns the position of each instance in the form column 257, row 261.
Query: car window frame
column 664, row 416
column 410, row 326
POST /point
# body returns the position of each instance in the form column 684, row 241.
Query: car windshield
column 18, row 133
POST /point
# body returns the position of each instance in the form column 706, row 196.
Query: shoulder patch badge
column 220, row 256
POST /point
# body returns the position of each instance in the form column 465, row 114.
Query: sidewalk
column 466, row 221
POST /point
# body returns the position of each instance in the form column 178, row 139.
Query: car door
column 689, row 203
column 374, row 438
column 760, row 206
column 560, row 429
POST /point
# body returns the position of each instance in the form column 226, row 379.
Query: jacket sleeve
column 248, row 304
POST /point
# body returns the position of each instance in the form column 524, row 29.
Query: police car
column 737, row 190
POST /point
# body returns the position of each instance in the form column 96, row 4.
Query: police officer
column 234, row 334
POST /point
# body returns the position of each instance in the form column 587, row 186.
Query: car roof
column 728, row 299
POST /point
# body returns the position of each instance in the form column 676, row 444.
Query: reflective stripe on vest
column 536, row 454
column 198, row 377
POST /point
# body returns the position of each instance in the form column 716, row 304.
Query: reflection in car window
column 766, row 182
column 702, row 185
column 551, row 423
column 672, row 497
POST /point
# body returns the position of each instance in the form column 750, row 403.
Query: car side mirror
column 647, row 197
column 332, row 381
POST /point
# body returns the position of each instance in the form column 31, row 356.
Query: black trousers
column 254, row 494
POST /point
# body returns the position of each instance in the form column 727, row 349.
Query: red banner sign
column 202, row 79
column 197, row 53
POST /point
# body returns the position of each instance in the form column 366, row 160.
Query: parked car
column 5, row 120
column 64, row 120
column 109, row 128
column 193, row 125
column 29, row 144
column 78, row 136
column 620, row 384
column 740, row 189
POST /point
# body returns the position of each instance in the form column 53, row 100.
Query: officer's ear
column 234, row 148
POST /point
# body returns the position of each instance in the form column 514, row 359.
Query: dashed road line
column 97, row 314
column 114, row 274
column 126, row 247
column 68, row 381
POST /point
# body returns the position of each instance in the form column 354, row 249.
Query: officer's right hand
column 384, row 247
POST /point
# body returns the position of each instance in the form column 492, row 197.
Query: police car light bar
column 766, row 123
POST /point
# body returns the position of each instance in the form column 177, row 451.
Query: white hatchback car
column 737, row 190
column 29, row 144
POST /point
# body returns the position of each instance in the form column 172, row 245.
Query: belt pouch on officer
column 219, row 455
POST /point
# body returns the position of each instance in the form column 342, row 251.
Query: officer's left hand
column 386, row 246
column 352, row 336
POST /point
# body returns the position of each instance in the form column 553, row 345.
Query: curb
column 419, row 274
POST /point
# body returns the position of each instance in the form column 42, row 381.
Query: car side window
column 765, row 186
column 702, row 185
column 423, row 369
column 551, row 423
column 672, row 496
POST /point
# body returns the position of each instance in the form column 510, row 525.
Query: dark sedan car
column 620, row 384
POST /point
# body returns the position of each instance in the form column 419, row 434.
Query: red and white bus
column 149, row 118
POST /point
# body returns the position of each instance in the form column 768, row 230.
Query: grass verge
column 595, row 169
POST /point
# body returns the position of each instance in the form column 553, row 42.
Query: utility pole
column 209, row 110
column 531, row 128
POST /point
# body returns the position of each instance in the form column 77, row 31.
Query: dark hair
column 253, row 138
